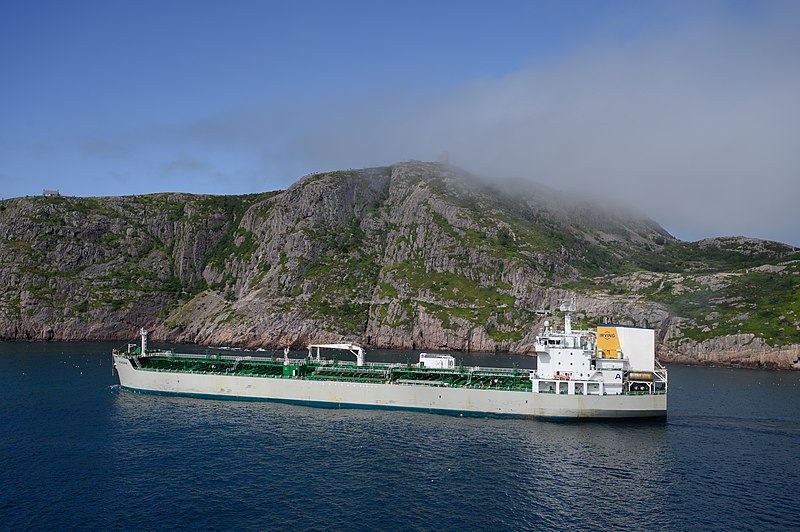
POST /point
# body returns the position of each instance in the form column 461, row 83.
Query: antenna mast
column 566, row 309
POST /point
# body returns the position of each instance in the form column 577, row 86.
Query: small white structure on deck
column 357, row 350
column 438, row 361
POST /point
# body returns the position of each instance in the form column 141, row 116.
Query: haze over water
column 76, row 452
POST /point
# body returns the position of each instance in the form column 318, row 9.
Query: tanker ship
column 608, row 372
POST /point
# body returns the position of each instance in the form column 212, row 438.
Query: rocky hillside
column 415, row 256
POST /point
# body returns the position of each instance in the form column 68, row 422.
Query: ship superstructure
column 610, row 360
column 603, row 373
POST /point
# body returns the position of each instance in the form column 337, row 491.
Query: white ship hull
column 401, row 396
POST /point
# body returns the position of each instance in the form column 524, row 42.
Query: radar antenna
column 566, row 308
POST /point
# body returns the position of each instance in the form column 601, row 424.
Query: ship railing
column 421, row 382
column 373, row 366
column 660, row 373
column 510, row 371
column 657, row 391
column 332, row 362
column 214, row 356
column 393, row 365
column 162, row 353
column 149, row 353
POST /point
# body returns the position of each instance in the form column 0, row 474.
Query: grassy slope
column 719, row 293
column 722, row 290
column 349, row 280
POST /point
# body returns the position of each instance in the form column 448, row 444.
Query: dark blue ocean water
column 78, row 453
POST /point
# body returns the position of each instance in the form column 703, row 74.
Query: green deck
column 486, row 378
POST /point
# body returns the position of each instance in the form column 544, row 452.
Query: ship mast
column 566, row 309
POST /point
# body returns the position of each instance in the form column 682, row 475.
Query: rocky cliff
column 415, row 255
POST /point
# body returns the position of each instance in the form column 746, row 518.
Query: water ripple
column 77, row 452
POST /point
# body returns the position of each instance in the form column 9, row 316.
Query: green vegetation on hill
column 90, row 256
column 720, row 256
column 338, row 285
column 763, row 303
column 415, row 251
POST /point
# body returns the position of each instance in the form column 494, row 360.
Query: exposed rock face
column 745, row 350
column 415, row 256
column 97, row 268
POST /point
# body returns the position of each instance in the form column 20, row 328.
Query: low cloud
column 699, row 129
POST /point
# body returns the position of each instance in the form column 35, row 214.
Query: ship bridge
column 611, row 360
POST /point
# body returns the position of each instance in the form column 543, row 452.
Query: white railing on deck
column 329, row 362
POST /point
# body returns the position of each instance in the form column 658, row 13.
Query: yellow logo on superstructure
column 607, row 342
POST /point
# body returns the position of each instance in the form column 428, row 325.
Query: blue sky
column 692, row 104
